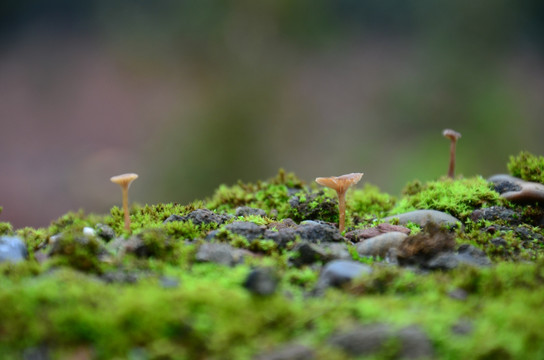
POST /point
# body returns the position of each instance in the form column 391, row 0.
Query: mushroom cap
column 124, row 179
column 340, row 183
column 451, row 134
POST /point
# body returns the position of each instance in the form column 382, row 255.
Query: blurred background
column 192, row 94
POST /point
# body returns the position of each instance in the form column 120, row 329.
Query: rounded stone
column 12, row 249
column 423, row 217
column 380, row 245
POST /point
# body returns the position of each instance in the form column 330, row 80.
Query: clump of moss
column 527, row 166
column 456, row 197
column 370, row 201
column 80, row 252
column 314, row 205
column 5, row 228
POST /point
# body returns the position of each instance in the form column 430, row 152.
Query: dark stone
column 317, row 231
column 307, row 253
column 247, row 211
column 261, row 281
column 415, row 344
column 458, row 294
column 281, row 237
column 36, row 353
column 362, row 341
column 498, row 241
column 288, row 352
column 219, row 253
column 370, row 339
column 517, row 190
column 105, row 232
column 12, row 249
column 169, row 282
column 466, row 254
column 496, row 213
column 199, row 217
column 339, row 272
column 506, row 186
column 173, row 218
column 249, row 230
column 326, row 209
column 120, row 277
column 462, row 327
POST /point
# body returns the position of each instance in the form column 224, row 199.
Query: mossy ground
column 64, row 304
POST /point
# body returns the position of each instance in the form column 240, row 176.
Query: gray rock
column 462, row 327
column 309, row 253
column 458, row 294
column 219, row 253
column 496, row 213
column 415, row 344
column 247, row 211
column 467, row 255
column 12, row 249
column 362, row 234
column 380, row 245
column 317, row 231
column 261, row 281
column 282, row 237
column 369, row 339
column 249, row 230
column 336, row 251
column 105, row 232
column 423, row 217
column 517, row 190
column 199, row 217
column 362, row 341
column 339, row 272
column 288, row 352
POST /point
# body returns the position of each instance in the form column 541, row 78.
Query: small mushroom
column 341, row 185
column 124, row 181
column 453, row 136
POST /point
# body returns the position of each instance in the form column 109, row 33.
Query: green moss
column 81, row 252
column 527, row 166
column 369, row 201
column 456, row 197
column 6, row 228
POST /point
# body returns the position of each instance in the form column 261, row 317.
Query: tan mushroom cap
column 340, row 183
column 451, row 134
column 124, row 179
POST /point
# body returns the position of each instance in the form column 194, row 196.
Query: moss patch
column 527, row 166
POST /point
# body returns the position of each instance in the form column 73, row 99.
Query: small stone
column 219, row 253
column 458, row 294
column 339, row 272
column 247, row 211
column 362, row 341
column 173, row 218
column 249, row 230
column 12, row 249
column 380, row 245
column 288, row 352
column 462, row 327
column 281, row 237
column 261, row 281
column 317, row 231
column 498, row 242
column 105, row 232
column 361, row 234
column 523, row 192
column 88, row 231
column 169, row 282
column 199, row 217
column 496, row 213
column 415, row 344
column 426, row 245
column 471, row 255
column 423, row 217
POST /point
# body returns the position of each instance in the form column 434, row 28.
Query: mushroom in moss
column 341, row 185
column 124, row 181
column 453, row 136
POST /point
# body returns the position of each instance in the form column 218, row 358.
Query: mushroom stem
column 125, row 207
column 341, row 210
column 451, row 170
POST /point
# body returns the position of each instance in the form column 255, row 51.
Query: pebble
column 339, row 272
column 380, row 245
column 12, row 249
column 247, row 229
column 467, row 254
column 318, row 231
column 309, row 253
column 288, row 352
column 261, row 281
column 247, row 211
column 361, row 234
column 369, row 339
column 219, row 253
column 517, row 190
column 496, row 213
column 88, row 231
column 423, row 217
column 199, row 217
column 282, row 237
column 105, row 232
